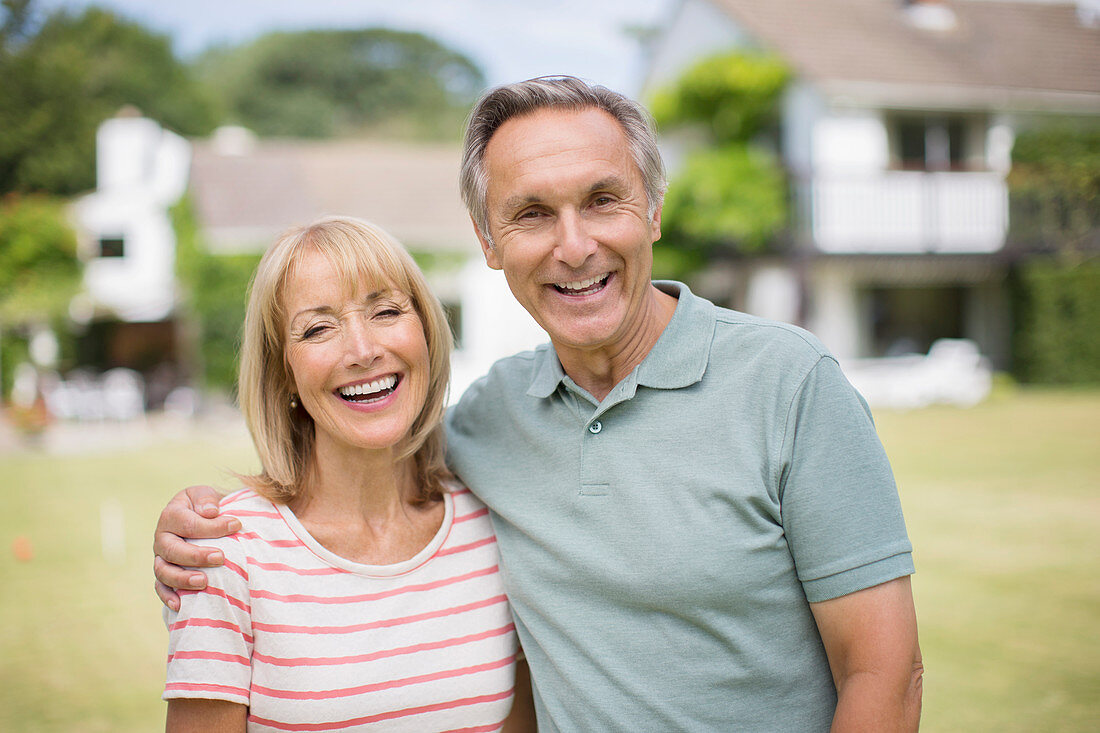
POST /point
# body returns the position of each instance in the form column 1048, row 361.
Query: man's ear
column 487, row 249
column 655, row 221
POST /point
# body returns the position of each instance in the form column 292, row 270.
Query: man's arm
column 522, row 717
column 197, row 715
column 192, row 513
column 870, row 637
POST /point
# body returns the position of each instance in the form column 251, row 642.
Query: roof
column 244, row 197
column 998, row 53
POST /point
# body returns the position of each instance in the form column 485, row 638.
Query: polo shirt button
column 595, row 427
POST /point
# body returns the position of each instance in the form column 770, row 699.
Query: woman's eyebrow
column 329, row 310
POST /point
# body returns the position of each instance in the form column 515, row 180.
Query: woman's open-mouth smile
column 371, row 392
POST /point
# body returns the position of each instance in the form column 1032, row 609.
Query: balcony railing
column 907, row 212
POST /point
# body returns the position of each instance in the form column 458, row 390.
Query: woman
column 362, row 591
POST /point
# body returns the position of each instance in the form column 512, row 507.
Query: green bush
column 39, row 273
column 219, row 303
column 214, row 287
column 1057, row 338
column 734, row 96
column 1054, row 188
column 731, row 193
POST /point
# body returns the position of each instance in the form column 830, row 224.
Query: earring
column 293, row 401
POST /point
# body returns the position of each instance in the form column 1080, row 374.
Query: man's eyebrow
column 514, row 203
column 612, row 183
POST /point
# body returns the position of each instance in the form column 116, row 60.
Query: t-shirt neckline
column 351, row 566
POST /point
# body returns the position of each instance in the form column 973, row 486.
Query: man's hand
column 192, row 514
column 870, row 637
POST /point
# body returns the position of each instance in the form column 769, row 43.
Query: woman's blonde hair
column 284, row 436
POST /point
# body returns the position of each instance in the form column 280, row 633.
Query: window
column 930, row 143
column 112, row 247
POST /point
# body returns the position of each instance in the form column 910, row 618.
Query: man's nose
column 575, row 243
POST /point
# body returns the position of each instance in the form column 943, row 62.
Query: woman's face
column 359, row 360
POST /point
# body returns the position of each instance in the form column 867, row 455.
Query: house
column 896, row 133
column 245, row 192
column 126, row 312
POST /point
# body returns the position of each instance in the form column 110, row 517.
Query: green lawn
column 1003, row 505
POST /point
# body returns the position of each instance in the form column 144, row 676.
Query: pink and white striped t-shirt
column 311, row 641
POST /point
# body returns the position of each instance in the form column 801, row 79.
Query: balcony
column 909, row 212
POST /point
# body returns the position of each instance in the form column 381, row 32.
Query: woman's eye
column 312, row 331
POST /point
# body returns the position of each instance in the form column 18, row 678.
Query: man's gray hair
column 499, row 105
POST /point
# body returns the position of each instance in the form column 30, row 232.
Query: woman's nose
column 361, row 347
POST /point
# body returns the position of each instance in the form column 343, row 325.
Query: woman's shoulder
column 471, row 516
column 462, row 497
column 245, row 503
column 258, row 516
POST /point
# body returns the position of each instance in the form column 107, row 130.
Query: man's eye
column 602, row 200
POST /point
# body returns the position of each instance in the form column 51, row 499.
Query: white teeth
column 581, row 284
column 370, row 387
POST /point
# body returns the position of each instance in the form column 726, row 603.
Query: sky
column 509, row 39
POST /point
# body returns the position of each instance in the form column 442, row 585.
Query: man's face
column 568, row 215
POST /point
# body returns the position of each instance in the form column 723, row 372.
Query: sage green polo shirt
column 660, row 547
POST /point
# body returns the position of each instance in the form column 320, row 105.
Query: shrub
column 215, row 287
column 1057, row 338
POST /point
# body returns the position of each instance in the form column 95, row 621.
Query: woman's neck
column 362, row 505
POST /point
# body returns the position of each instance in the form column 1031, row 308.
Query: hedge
column 1057, row 339
column 215, row 289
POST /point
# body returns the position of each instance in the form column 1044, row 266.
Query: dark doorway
column 908, row 320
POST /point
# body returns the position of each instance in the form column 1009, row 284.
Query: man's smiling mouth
column 583, row 287
column 370, row 391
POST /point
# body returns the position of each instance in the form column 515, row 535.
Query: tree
column 329, row 82
column 60, row 79
column 731, row 192
column 1054, row 190
column 39, row 273
column 17, row 18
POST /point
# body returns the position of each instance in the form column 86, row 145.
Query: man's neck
column 597, row 371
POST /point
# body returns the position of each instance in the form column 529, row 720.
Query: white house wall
column 834, row 314
column 125, row 152
column 494, row 324
column 850, row 143
column 141, row 171
column 802, row 106
column 140, row 286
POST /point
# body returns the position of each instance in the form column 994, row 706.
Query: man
column 698, row 527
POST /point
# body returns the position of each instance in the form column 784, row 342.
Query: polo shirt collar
column 678, row 359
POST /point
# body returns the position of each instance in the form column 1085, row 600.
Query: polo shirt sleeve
column 210, row 637
column 840, row 508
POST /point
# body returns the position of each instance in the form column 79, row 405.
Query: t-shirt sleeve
column 210, row 637
column 840, row 507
